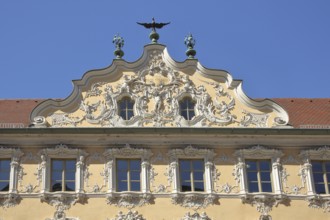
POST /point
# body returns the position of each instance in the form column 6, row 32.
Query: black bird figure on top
column 153, row 25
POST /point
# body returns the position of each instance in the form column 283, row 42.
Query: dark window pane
column 122, row 186
column 320, row 188
column 318, row 177
column 56, row 175
column 4, row 186
column 190, row 104
column 129, row 115
column 70, row 186
column 135, row 165
column 70, row 165
column 4, row 165
column 57, row 164
column 70, row 175
column 185, row 175
column 186, row 186
column 198, row 186
column 198, row 165
column 327, row 166
column 317, row 166
column 265, row 176
column 122, row 165
column 185, row 165
column 264, row 165
column 198, row 175
column 56, row 187
column 253, row 187
column 266, row 187
column 191, row 114
column 135, row 175
column 328, row 178
column 252, row 176
column 122, row 176
column 251, row 165
column 184, row 114
column 4, row 175
column 135, row 186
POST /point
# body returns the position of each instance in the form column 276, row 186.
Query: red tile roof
column 303, row 113
column 307, row 113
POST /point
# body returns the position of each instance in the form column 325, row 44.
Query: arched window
column 187, row 106
column 126, row 108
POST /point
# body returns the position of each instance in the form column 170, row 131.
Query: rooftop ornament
column 154, row 36
column 119, row 43
column 190, row 42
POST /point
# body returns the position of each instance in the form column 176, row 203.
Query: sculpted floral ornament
column 319, row 202
column 156, row 90
column 131, row 215
column 195, row 216
column 9, row 200
column 63, row 200
column 129, row 200
column 60, row 214
column 194, row 200
column 264, row 203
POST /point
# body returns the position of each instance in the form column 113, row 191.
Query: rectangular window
column 63, row 175
column 4, row 174
column 259, row 175
column 321, row 176
column 191, row 175
column 128, row 175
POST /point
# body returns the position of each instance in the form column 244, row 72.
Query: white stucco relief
column 156, row 84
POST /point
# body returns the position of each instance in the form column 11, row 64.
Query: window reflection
column 126, row 108
column 321, row 176
column 4, row 174
column 128, row 175
column 259, row 175
column 63, row 173
column 187, row 106
column 191, row 175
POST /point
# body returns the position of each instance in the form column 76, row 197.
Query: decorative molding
column 156, row 87
column 226, row 188
column 8, row 200
column 195, row 216
column 321, row 153
column 129, row 199
column 258, row 152
column 194, row 200
column 61, row 215
column 264, row 203
column 63, row 200
column 131, row 215
column 319, row 202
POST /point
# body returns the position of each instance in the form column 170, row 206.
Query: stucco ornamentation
column 195, row 216
column 60, row 214
column 131, row 215
column 319, row 202
column 264, row 203
column 129, row 200
column 62, row 199
column 9, row 200
column 194, row 200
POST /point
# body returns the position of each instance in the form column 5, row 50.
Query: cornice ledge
column 63, row 199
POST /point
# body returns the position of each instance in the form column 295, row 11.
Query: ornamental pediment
column 156, row 91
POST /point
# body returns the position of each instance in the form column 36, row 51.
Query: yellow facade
column 225, row 132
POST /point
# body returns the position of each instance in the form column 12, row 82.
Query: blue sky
column 278, row 48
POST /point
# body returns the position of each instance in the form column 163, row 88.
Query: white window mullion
column 208, row 177
column 277, row 182
column 145, row 177
column 13, row 175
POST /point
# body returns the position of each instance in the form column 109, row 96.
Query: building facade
column 159, row 139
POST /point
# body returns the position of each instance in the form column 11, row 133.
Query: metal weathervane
column 154, row 36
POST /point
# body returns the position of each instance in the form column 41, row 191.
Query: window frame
column 14, row 155
column 184, row 100
column 127, row 152
column 190, row 152
column 258, row 153
column 308, row 156
column 63, row 174
column 258, row 170
column 192, row 171
column 59, row 152
column 126, row 110
column 128, row 175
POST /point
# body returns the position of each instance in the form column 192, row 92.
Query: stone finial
column 190, row 42
column 119, row 43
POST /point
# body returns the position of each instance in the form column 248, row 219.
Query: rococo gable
column 156, row 85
